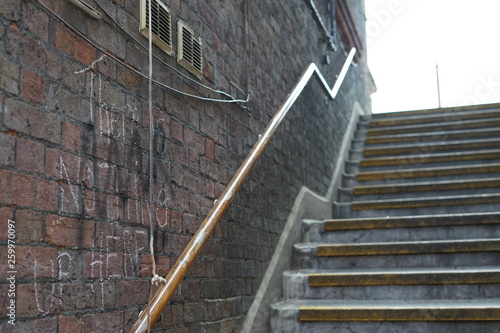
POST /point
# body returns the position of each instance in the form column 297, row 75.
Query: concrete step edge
column 456, row 310
column 455, row 200
column 429, row 128
column 427, row 158
column 449, row 185
column 457, row 134
column 412, row 221
column 427, row 148
column 490, row 275
column 469, row 108
column 433, row 118
column 408, row 247
column 429, row 172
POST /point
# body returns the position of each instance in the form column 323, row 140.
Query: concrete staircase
column 415, row 246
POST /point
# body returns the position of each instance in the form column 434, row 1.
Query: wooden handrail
column 153, row 310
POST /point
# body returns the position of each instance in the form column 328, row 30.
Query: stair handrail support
column 150, row 314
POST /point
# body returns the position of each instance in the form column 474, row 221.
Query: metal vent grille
column 190, row 50
column 161, row 24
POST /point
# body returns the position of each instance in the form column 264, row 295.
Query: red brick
column 100, row 322
column 29, row 226
column 29, row 120
column 209, row 148
column 10, row 9
column 73, row 136
column 162, row 217
column 71, row 198
column 30, row 191
column 9, row 76
column 7, row 149
column 36, row 21
column 175, row 244
column 176, row 220
column 22, row 193
column 39, row 325
column 133, row 211
column 194, row 140
column 46, row 195
column 70, row 232
column 30, row 52
column 6, row 214
column 103, row 264
column 6, row 193
column 36, row 261
column 162, row 265
column 30, row 155
column 73, row 45
column 176, row 130
column 195, row 182
column 32, row 87
column 132, row 292
column 77, row 296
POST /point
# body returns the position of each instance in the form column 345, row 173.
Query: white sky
column 406, row 38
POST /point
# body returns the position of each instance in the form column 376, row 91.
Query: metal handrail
column 153, row 310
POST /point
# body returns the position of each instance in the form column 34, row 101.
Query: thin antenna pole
column 438, row 88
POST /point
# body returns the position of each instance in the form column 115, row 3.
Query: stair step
column 316, row 233
column 431, row 310
column 439, row 111
column 483, row 275
column 456, row 200
column 433, row 136
column 433, row 118
column 427, row 148
column 429, row 172
column 305, row 258
column 427, row 186
column 427, row 128
column 286, row 316
column 373, row 284
column 429, row 158
column 412, row 221
column 419, row 247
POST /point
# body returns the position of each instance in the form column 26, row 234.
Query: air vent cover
column 190, row 53
column 161, row 23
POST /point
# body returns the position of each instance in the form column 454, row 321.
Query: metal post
column 438, row 88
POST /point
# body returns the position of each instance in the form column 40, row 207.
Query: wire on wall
column 138, row 72
column 159, row 59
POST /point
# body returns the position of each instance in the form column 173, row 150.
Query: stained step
column 433, row 147
column 426, row 128
column 412, row 221
column 433, row 118
column 374, row 284
column 433, row 136
column 428, row 186
column 305, row 257
column 429, row 172
column 419, row 247
column 439, row 111
column 483, row 275
column 457, row 200
column 431, row 310
column 430, row 158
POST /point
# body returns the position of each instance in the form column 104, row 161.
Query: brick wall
column 74, row 157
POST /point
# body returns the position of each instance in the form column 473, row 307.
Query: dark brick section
column 74, row 157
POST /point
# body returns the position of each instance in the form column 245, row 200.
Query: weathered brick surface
column 74, row 157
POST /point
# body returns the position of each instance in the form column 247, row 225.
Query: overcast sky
column 406, row 38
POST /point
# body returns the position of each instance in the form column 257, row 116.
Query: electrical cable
column 158, row 58
column 121, row 62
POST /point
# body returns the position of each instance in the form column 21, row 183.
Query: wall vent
column 161, row 22
column 190, row 54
